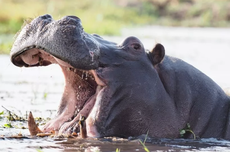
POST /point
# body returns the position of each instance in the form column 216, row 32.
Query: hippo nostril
column 70, row 20
column 74, row 17
column 45, row 16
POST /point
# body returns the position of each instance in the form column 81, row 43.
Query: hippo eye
column 136, row 46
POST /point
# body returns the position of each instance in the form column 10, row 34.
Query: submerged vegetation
column 186, row 130
column 11, row 119
column 143, row 143
column 107, row 17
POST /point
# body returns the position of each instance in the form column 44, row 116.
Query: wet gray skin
column 66, row 36
column 121, row 89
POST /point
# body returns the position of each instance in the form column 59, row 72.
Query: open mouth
column 80, row 91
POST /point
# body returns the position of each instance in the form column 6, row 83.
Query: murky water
column 39, row 90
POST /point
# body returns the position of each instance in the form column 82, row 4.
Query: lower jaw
column 85, row 112
column 91, row 129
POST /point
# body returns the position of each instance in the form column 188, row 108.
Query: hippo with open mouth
column 121, row 89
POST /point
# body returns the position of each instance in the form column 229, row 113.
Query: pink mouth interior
column 81, row 87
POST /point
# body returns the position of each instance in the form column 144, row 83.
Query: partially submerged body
column 121, row 89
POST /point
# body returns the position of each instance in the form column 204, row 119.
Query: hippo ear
column 157, row 54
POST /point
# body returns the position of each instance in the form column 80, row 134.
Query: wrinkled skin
column 121, row 89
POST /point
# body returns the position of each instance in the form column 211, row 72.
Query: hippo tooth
column 33, row 128
column 82, row 123
column 38, row 47
column 25, row 49
column 31, row 47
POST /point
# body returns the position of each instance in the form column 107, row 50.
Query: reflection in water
column 88, row 145
column 112, row 144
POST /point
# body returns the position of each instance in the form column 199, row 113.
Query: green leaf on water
column 118, row 150
column 145, row 148
column 182, row 132
column 143, row 143
column 187, row 129
column 1, row 114
column 8, row 125
column 45, row 95
column 39, row 150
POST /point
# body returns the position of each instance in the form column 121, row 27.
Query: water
column 39, row 90
column 109, row 145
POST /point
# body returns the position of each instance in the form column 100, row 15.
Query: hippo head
column 104, row 81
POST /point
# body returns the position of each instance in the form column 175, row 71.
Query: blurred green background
column 107, row 17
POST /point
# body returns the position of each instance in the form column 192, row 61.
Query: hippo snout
column 64, row 39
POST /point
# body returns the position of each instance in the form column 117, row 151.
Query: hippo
column 123, row 89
